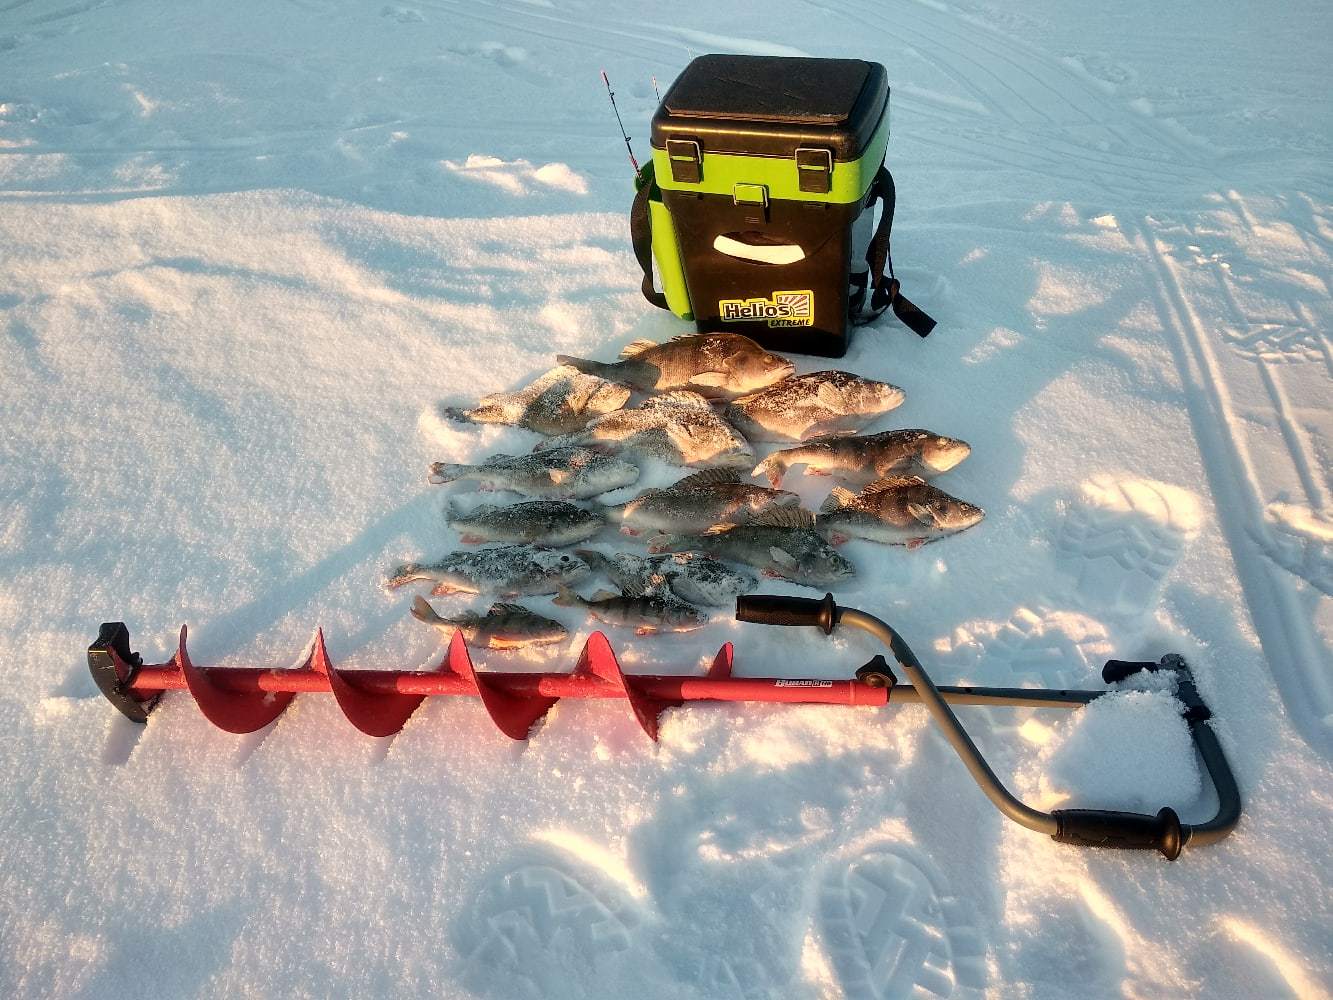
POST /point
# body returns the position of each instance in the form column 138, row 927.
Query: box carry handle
column 641, row 234
column 885, row 293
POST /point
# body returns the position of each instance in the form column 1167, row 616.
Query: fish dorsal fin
column 708, row 477
column 677, row 397
column 634, row 349
column 837, row 499
column 504, row 608
column 604, row 595
column 782, row 517
column 892, row 483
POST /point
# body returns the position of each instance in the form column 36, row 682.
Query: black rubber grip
column 1122, row 830
column 771, row 609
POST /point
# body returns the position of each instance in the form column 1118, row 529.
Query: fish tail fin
column 423, row 612
column 589, row 367
column 455, row 413
column 447, row 472
column 405, row 573
column 565, row 597
column 774, row 468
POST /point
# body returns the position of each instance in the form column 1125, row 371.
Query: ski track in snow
column 1146, row 311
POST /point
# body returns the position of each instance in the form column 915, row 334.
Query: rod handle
column 774, row 609
column 1124, row 831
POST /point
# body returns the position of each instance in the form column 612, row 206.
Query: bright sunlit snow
column 247, row 250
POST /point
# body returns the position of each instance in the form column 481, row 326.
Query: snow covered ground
column 248, row 247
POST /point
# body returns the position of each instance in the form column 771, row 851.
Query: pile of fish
column 707, row 398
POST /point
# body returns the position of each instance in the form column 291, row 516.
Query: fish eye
column 564, row 558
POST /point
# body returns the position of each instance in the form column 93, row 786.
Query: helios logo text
column 781, row 309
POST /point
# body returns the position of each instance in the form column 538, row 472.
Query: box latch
column 750, row 194
column 686, row 160
column 814, row 170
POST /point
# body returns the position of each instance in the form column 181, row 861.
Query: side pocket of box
column 670, row 267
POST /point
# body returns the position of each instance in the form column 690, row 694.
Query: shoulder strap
column 641, row 234
column 886, row 293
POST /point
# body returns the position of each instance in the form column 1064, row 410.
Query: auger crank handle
column 1083, row 827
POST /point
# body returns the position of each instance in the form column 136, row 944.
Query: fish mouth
column 944, row 453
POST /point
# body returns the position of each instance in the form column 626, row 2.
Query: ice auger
column 379, row 703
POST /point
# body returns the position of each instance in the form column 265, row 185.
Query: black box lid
column 769, row 105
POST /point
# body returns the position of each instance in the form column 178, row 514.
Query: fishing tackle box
column 758, row 204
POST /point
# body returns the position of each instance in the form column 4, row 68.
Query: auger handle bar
column 1083, row 827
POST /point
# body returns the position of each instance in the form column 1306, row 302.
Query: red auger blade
column 235, row 711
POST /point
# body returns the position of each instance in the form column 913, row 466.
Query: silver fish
column 571, row 472
column 779, row 543
column 645, row 613
column 691, row 576
column 867, row 457
column 535, row 522
column 897, row 510
column 562, row 400
column 715, row 364
column 504, row 626
column 696, row 503
column 679, row 427
column 507, row 571
column 803, row 406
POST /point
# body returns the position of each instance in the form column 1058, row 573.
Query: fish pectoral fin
column 718, row 529
column 922, row 514
column 714, row 380
column 830, row 397
column 423, row 612
column 445, row 589
column 915, row 543
column 646, row 630
column 782, row 557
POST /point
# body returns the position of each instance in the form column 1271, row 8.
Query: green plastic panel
column 666, row 251
column 723, row 171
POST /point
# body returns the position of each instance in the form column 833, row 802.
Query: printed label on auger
column 783, row 309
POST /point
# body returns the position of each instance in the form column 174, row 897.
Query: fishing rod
column 629, row 148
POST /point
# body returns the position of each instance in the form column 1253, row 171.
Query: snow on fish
column 715, row 364
column 568, row 472
column 503, row 626
column 897, row 510
column 781, row 542
column 804, row 406
column 645, row 613
column 535, row 522
column 679, row 428
column 563, row 399
column 506, row 571
column 863, row 458
column 691, row 576
column 696, row 503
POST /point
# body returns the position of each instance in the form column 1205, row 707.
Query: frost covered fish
column 781, row 542
column 691, row 576
column 696, row 503
column 715, row 364
column 535, row 522
column 572, row 472
column 557, row 402
column 679, row 427
column 869, row 456
column 897, row 510
column 504, row 626
column 645, row 613
column 507, row 570
column 803, row 406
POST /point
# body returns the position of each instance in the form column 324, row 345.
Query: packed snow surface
column 249, row 249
